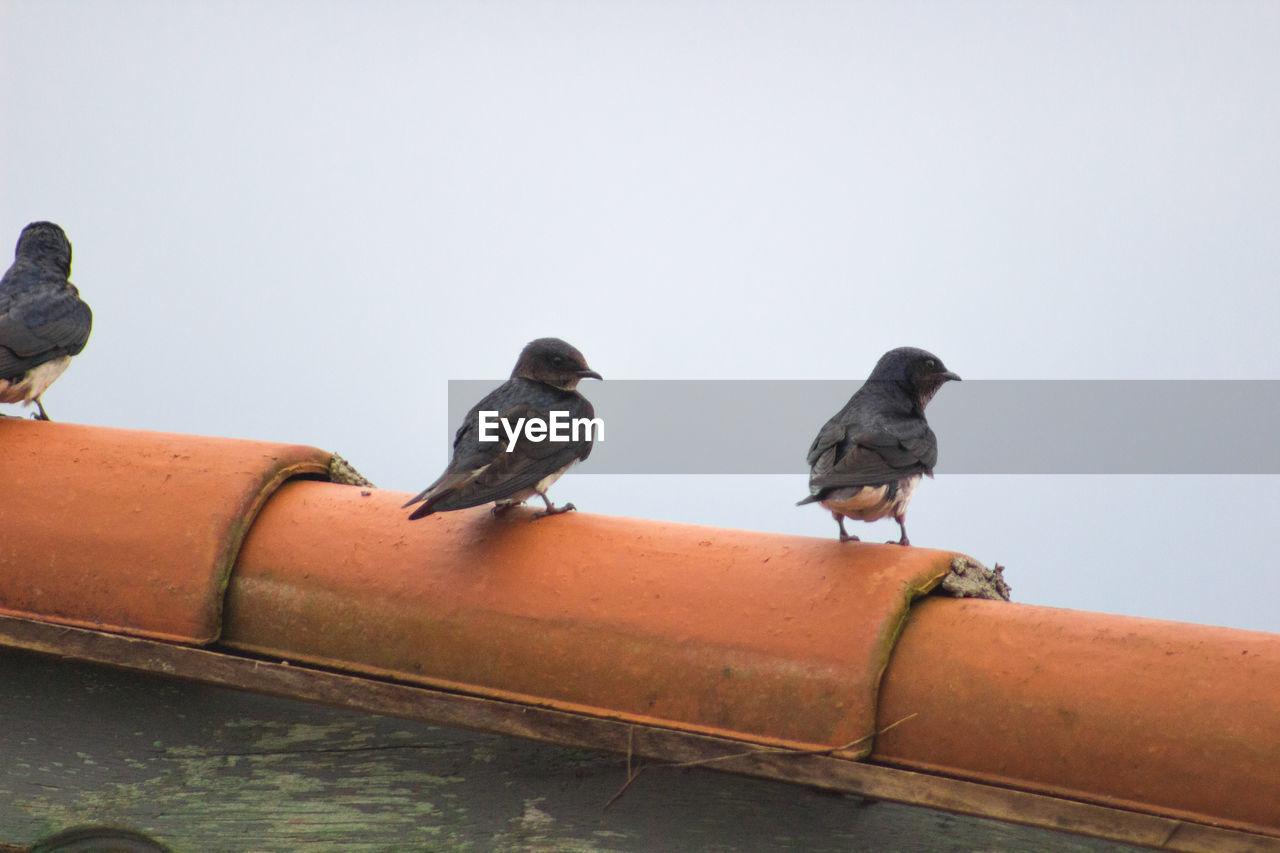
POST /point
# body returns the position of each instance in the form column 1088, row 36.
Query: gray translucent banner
column 983, row 426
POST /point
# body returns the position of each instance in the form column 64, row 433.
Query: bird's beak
column 589, row 374
column 948, row 375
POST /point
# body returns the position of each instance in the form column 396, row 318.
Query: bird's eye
column 931, row 363
column 557, row 359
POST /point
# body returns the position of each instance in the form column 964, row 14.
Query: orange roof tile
column 130, row 531
column 778, row 639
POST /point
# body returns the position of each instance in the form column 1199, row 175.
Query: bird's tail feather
column 422, row 511
column 441, row 489
column 419, row 496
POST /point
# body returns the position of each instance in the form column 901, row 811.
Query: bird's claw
column 555, row 510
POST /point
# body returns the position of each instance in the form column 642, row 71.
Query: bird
column 43, row 320
column 868, row 458
column 511, row 470
column 98, row 839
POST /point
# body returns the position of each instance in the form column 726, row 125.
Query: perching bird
column 866, row 461
column 43, row 321
column 545, row 380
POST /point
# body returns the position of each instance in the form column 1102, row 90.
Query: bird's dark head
column 917, row 371
column 553, row 362
column 47, row 243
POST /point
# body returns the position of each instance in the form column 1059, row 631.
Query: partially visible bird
column 545, row 380
column 866, row 461
column 43, row 320
column 98, row 839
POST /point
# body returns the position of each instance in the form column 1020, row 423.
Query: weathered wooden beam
column 651, row 742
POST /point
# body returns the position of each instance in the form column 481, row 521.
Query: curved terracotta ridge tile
column 756, row 636
column 1178, row 719
column 753, row 636
column 130, row 531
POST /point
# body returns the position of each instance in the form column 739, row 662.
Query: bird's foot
column 845, row 536
column 902, row 528
column 552, row 509
column 502, row 509
column 41, row 415
column 903, row 541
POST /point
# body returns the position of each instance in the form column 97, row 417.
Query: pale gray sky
column 297, row 221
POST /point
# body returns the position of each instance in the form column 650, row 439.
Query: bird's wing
column 875, row 456
column 480, row 472
column 831, row 434
column 471, row 456
column 41, row 324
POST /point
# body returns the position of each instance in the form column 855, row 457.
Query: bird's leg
column 42, row 415
column 903, row 527
column 552, row 509
column 845, row 536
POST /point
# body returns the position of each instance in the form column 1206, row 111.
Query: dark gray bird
column 98, row 839
column 545, row 380
column 866, row 461
column 43, row 320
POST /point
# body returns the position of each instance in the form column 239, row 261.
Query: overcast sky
column 297, row 221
